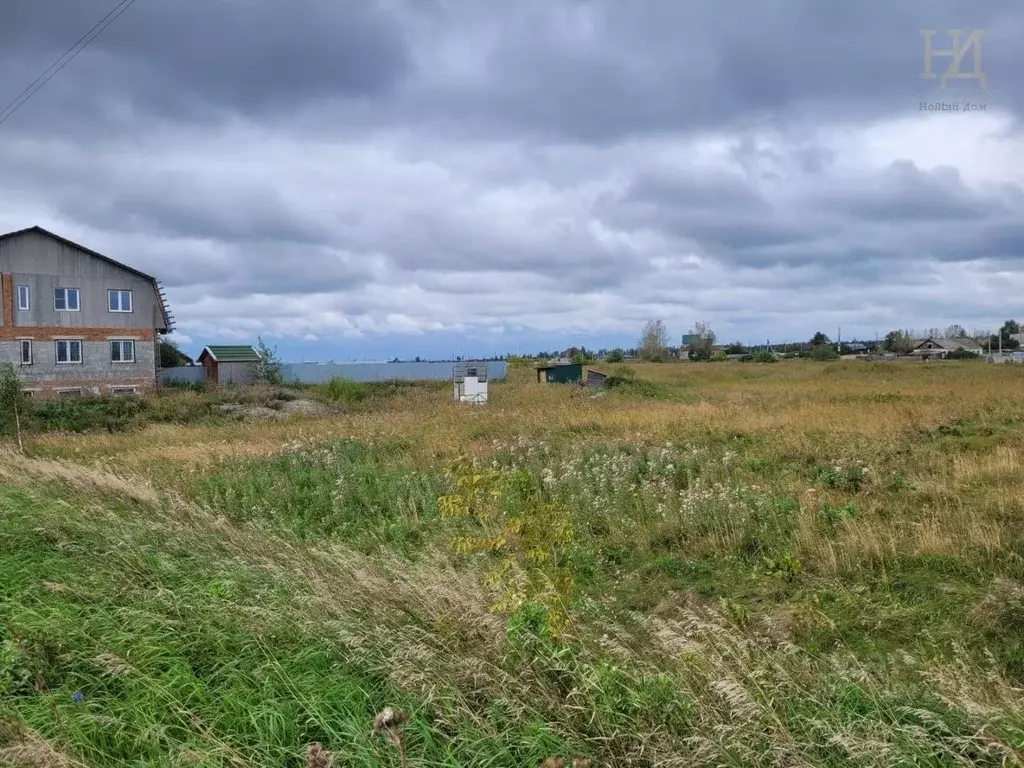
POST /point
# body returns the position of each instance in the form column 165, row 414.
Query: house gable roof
column 549, row 366
column 948, row 344
column 164, row 311
column 230, row 353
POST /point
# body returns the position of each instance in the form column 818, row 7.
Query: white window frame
column 121, row 343
column 72, row 391
column 24, row 298
column 21, row 351
column 120, row 293
column 69, row 342
column 67, row 304
column 123, row 389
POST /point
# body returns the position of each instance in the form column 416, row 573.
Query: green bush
column 840, row 478
column 181, row 407
column 621, row 375
column 12, row 401
column 346, row 391
column 623, row 379
column 110, row 414
column 824, row 352
column 963, row 354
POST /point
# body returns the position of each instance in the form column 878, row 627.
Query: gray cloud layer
column 345, row 168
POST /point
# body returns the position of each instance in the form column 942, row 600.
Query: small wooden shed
column 563, row 373
column 229, row 363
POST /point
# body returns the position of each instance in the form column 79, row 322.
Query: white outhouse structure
column 469, row 383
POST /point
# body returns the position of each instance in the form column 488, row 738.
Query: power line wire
column 59, row 58
column 36, row 85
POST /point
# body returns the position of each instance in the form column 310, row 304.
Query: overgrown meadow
column 722, row 564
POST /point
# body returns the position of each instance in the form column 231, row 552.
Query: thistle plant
column 389, row 722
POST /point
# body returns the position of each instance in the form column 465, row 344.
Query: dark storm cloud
column 585, row 71
column 905, row 193
column 717, row 213
column 566, row 160
column 700, row 192
column 885, row 221
column 601, row 70
column 272, row 269
column 190, row 59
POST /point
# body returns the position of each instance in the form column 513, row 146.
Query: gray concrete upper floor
column 56, row 283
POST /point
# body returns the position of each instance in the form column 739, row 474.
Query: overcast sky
column 365, row 180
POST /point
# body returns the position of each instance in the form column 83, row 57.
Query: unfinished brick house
column 76, row 322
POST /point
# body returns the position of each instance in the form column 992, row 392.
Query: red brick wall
column 10, row 332
column 7, row 292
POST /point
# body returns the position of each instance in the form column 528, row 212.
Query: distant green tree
column 12, row 402
column 269, row 369
column 615, row 356
column 1004, row 337
column 580, row 355
column 171, row 356
column 702, row 341
column 736, row 348
column 898, row 342
column 653, row 341
column 820, row 338
column 824, row 352
column 955, row 331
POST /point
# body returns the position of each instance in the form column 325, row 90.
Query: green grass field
column 723, row 564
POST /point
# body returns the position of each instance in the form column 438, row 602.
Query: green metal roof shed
column 567, row 373
column 229, row 363
column 231, row 353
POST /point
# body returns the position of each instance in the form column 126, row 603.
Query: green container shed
column 569, row 373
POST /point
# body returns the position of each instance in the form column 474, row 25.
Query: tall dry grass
column 797, row 404
column 796, row 564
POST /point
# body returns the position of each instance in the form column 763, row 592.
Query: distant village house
column 941, row 348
